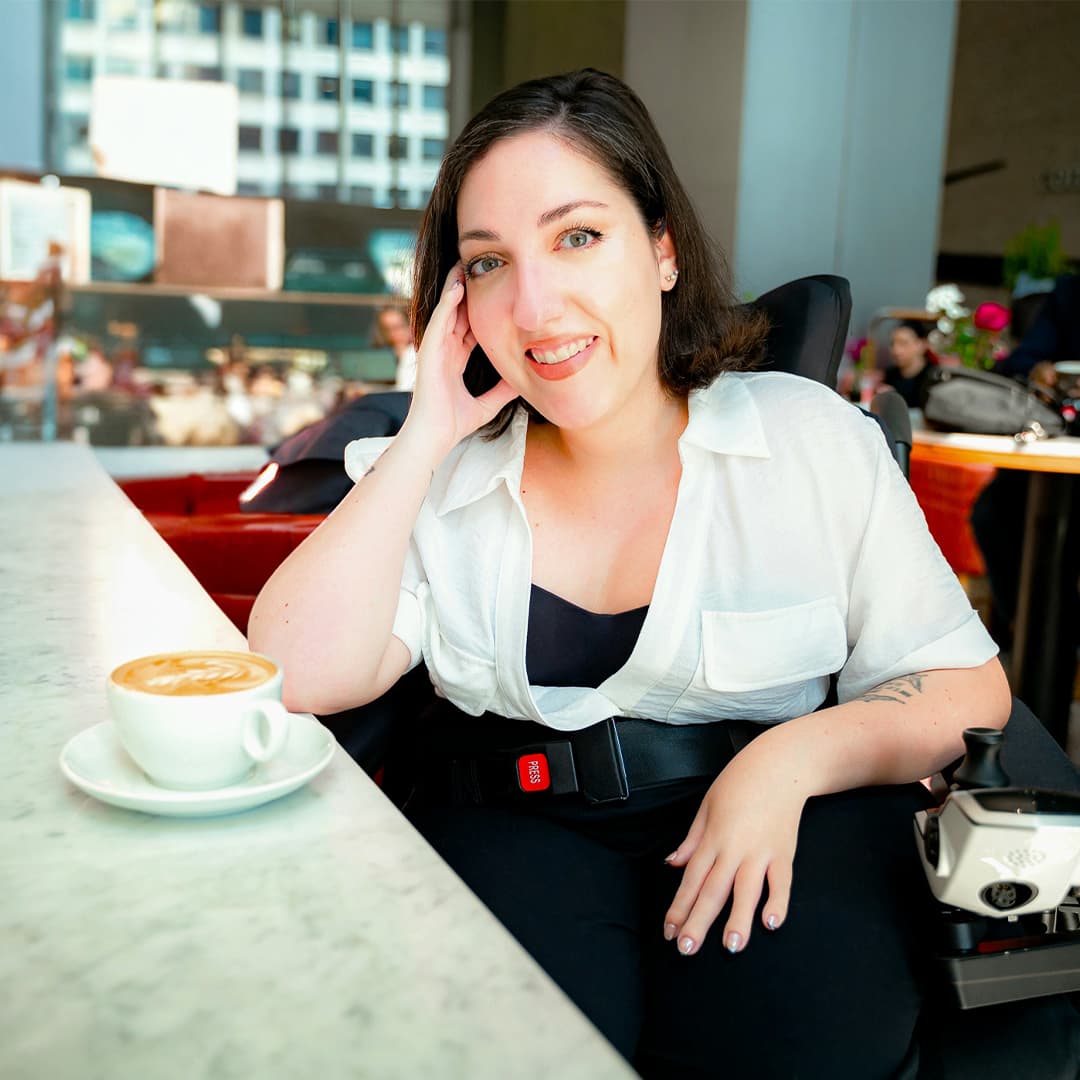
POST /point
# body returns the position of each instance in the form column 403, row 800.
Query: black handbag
column 961, row 399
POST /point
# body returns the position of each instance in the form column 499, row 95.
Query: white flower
column 947, row 299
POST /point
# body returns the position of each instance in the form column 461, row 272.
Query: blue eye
column 483, row 264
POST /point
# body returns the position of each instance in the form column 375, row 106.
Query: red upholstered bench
column 232, row 554
column 196, row 493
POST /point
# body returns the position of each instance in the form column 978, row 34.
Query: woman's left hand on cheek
column 743, row 837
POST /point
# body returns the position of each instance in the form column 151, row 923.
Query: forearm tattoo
column 897, row 690
column 369, row 472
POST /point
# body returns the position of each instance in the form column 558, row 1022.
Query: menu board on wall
column 165, row 131
column 210, row 241
column 33, row 216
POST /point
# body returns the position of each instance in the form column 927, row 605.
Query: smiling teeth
column 563, row 352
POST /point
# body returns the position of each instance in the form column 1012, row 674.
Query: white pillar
column 22, row 85
column 845, row 110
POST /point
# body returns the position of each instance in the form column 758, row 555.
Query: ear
column 667, row 262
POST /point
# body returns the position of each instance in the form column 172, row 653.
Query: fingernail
column 686, row 946
column 772, row 922
column 670, row 930
column 732, row 942
column 668, row 858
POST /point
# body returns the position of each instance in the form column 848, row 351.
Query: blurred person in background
column 911, row 361
column 392, row 331
column 998, row 516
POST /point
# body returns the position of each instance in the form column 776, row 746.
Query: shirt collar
column 723, row 419
column 482, row 464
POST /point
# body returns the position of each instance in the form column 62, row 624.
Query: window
column 249, row 81
column 399, row 39
column 398, row 94
column 251, row 22
column 363, row 36
column 435, row 97
column 326, row 192
column 433, row 149
column 290, row 85
column 363, row 91
column 399, row 196
column 329, row 32
column 120, row 65
column 76, row 129
column 209, row 18
column 121, row 15
column 362, row 193
column 397, row 147
column 81, row 10
column 248, row 187
column 289, row 141
column 328, row 88
column 79, row 69
column 363, row 144
column 326, row 142
column 250, row 137
column 207, row 74
column 434, row 42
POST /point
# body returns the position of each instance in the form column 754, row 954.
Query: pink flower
column 992, row 317
column 855, row 348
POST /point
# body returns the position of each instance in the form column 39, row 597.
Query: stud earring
column 672, row 276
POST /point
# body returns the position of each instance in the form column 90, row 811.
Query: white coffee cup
column 200, row 719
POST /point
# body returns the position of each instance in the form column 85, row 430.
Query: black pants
column 832, row 993
column 836, row 992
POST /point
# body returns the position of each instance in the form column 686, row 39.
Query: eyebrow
column 546, row 218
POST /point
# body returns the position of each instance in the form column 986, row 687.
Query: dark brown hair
column 702, row 330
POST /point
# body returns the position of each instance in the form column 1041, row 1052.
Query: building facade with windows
column 336, row 101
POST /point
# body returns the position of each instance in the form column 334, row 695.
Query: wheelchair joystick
column 981, row 767
column 1003, row 862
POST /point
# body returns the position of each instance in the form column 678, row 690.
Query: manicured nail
column 732, row 942
column 772, row 922
column 668, row 858
column 686, row 946
column 670, row 930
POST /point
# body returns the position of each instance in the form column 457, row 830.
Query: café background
column 899, row 143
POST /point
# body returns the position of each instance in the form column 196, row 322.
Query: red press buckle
column 533, row 773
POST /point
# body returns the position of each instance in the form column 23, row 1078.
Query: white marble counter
column 317, row 936
column 128, row 462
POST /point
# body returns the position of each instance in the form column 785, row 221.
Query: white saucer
column 95, row 762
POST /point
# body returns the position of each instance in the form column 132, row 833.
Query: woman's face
column 563, row 279
column 909, row 350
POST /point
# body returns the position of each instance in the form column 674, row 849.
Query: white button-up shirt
column 796, row 550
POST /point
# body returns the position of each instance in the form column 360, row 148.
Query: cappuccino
column 187, row 674
column 199, row 720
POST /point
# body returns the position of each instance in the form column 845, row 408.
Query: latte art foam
column 187, row 674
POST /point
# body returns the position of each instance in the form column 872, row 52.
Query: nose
column 538, row 296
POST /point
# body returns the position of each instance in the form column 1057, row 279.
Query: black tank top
column 569, row 646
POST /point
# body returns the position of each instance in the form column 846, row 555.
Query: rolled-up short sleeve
column 408, row 626
column 361, row 454
column 907, row 611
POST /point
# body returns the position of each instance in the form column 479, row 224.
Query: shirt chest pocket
column 765, row 665
column 755, row 650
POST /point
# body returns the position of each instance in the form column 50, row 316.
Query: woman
column 723, row 541
column 912, row 361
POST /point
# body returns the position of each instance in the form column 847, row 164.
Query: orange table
column 1044, row 653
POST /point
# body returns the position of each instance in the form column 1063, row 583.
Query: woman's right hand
column 443, row 412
